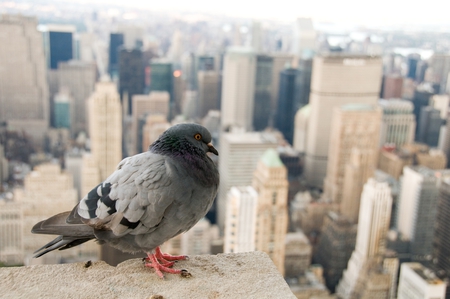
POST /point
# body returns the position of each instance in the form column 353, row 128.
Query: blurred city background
column 333, row 130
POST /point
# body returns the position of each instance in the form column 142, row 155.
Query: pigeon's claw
column 152, row 262
column 164, row 257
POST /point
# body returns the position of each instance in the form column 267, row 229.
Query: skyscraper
column 280, row 61
column 335, row 247
column 208, row 92
column 336, row 80
column 62, row 109
column 271, row 184
column 287, row 104
column 115, row 42
column 240, row 220
column 373, row 225
column 429, row 126
column 131, row 75
column 58, row 43
column 105, row 128
column 440, row 66
column 421, row 98
column 398, row 124
column 238, row 88
column 263, row 86
column 24, row 97
column 239, row 155
column 417, row 209
column 441, row 242
column 353, row 126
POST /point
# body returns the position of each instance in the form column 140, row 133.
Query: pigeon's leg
column 164, row 257
column 152, row 262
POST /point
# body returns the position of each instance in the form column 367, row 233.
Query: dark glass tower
column 287, row 104
column 131, row 74
column 421, row 99
column 161, row 79
column 115, row 42
column 263, row 86
column 429, row 126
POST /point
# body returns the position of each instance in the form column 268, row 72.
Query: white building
column 419, row 282
column 336, row 80
column 238, row 88
column 398, row 124
column 240, row 220
column 374, row 217
column 239, row 155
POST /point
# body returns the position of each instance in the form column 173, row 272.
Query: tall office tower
column 412, row 62
column 298, row 252
column 189, row 71
column 263, row 87
column 47, row 191
column 115, row 42
column 373, row 225
column 336, row 80
column 271, row 184
column 392, row 87
column 301, row 128
column 335, row 247
column 11, row 232
column 417, row 208
column 238, row 88
column 161, row 79
column 280, row 62
column 257, row 37
column 429, row 126
column 421, row 98
column 240, row 220
column 353, row 126
column 131, row 75
column 85, row 45
column 439, row 64
column 208, row 92
column 441, row 247
column 205, row 63
column 419, row 282
column 398, row 123
column 105, row 127
column 58, row 43
column 24, row 97
column 303, row 81
column 155, row 103
column 79, row 79
column 288, row 103
column 62, row 109
column 304, row 41
column 442, row 103
column 239, row 155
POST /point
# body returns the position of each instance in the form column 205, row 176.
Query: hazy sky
column 354, row 11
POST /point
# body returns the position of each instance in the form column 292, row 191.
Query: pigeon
column 150, row 198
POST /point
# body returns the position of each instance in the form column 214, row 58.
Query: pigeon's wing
column 116, row 207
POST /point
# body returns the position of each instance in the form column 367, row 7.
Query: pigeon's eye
column 198, row 136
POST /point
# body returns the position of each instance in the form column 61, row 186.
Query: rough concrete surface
column 242, row 275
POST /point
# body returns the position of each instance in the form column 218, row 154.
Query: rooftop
column 243, row 275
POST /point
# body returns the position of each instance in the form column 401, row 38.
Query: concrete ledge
column 243, row 275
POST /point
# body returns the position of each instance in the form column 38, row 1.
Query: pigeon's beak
column 212, row 149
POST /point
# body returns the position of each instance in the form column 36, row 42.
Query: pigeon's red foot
column 152, row 262
column 164, row 257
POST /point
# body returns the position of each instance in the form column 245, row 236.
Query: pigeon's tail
column 70, row 234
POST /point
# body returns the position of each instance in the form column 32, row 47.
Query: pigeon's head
column 196, row 135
